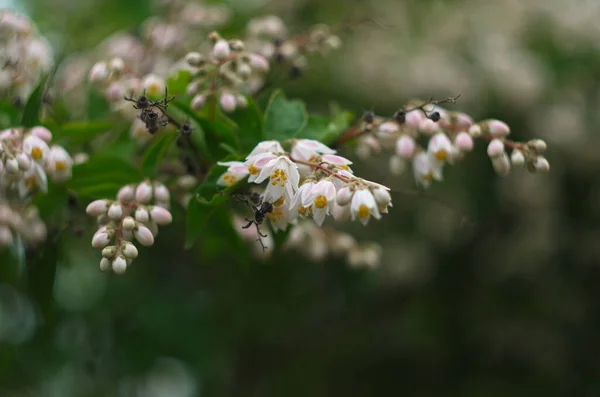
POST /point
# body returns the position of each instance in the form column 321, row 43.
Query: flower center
column 61, row 165
column 275, row 215
column 253, row 170
column 279, row 202
column 441, row 155
column 321, row 202
column 279, row 176
column 37, row 153
column 363, row 211
column 305, row 211
column 31, row 182
column 229, row 179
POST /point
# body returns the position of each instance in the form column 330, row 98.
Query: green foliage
column 33, row 107
column 9, row 115
column 77, row 132
column 284, row 118
column 157, row 152
column 327, row 129
column 102, row 176
column 178, row 81
column 249, row 122
column 97, row 105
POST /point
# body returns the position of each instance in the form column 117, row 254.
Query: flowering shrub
column 209, row 135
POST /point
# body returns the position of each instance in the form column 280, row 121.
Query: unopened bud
column 538, row 145
column 104, row 264
column 98, row 73
column 115, row 211
column 24, row 161
column 501, row 164
column 128, row 223
column 475, row 131
column 144, row 236
column 161, row 216
column 227, row 102
column 464, row 142
column 143, row 193
column 97, row 207
column 405, row 147
column 141, row 215
column 221, row 50
column 344, row 195
column 498, row 129
column 195, row 59
column 161, row 193
column 198, row 102
column 517, row 158
column 126, row 193
column 109, row 252
column 116, row 65
column 119, row 265
column 495, row 148
column 129, row 251
column 541, row 164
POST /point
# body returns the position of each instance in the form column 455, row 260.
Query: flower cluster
column 226, row 73
column 449, row 136
column 24, row 56
column 136, row 213
column 310, row 181
column 317, row 243
column 26, row 160
column 269, row 37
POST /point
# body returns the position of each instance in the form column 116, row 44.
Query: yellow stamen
column 279, row 202
column 61, row 165
column 229, row 179
column 37, row 153
column 31, row 182
column 363, row 211
column 321, row 202
column 305, row 211
column 275, row 215
column 253, row 170
column 441, row 155
column 279, row 176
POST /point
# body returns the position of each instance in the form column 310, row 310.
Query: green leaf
column 33, row 107
column 178, row 81
column 283, row 118
column 102, row 176
column 97, row 105
column 156, row 153
column 249, row 123
column 9, row 115
column 79, row 132
column 327, row 129
column 41, row 272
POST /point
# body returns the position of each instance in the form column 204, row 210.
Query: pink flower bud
column 389, row 127
column 429, row 126
column 344, row 195
column 126, row 193
column 161, row 216
column 97, row 207
column 143, row 193
column 119, row 265
column 227, row 102
column 501, row 164
column 115, row 91
column 464, row 142
column 198, row 102
column 24, row 161
column 259, row 63
column 128, row 223
column 161, row 193
column 100, row 240
column 194, row 59
column 42, row 132
column 382, row 196
column 104, row 264
column 221, row 50
column 498, row 129
column 405, row 147
column 130, row 251
column 141, row 215
column 115, row 211
column 495, row 148
column 144, row 236
column 541, row 165
column 98, row 73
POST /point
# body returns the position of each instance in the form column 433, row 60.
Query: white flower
column 321, row 199
column 336, row 160
column 440, row 147
column 36, row 148
column 283, row 178
column 34, row 178
column 63, row 163
column 305, row 149
column 255, row 164
column 363, row 206
column 266, row 147
column 405, row 146
column 236, row 171
column 280, row 216
column 422, row 169
column 153, row 85
column 301, row 199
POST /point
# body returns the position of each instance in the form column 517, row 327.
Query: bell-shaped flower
column 255, row 164
column 266, row 147
column 63, row 163
column 34, row 179
column 301, row 199
column 321, row 200
column 283, row 178
column 440, row 147
column 36, row 148
column 280, row 216
column 236, row 171
column 363, row 206
column 306, row 149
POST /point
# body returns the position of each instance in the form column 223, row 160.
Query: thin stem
column 320, row 166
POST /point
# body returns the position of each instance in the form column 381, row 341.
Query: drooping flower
column 283, row 178
column 363, row 206
column 236, row 171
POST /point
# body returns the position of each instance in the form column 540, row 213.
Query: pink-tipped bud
column 143, row 193
column 259, row 63
column 129, row 251
column 42, row 132
column 495, row 148
column 11, row 165
column 115, row 91
column 126, row 193
column 343, row 196
column 144, row 236
column 141, row 215
column 161, row 193
column 105, row 264
column 128, row 223
column 429, row 126
column 115, row 211
column 24, row 161
column 97, row 207
column 221, row 50
column 198, row 102
column 405, row 147
column 100, row 240
column 464, row 142
column 501, row 164
column 161, row 216
column 119, row 265
column 498, row 129
column 99, row 72
column 227, row 102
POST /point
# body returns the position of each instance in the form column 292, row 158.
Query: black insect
column 400, row 116
column 153, row 113
column 368, row 117
column 260, row 208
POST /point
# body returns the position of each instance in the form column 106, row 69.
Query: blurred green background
column 506, row 305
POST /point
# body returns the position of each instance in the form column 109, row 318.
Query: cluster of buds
column 226, row 73
column 136, row 213
column 20, row 220
column 318, row 243
column 25, row 160
column 268, row 36
column 24, row 56
column 310, row 181
column 450, row 135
